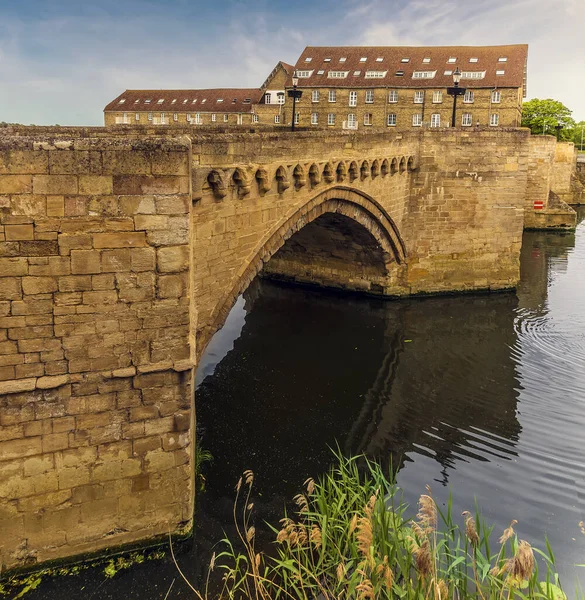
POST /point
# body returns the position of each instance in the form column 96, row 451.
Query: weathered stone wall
column 563, row 173
column 95, row 368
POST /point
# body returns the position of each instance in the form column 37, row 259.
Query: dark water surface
column 481, row 396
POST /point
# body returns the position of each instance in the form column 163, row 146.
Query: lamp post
column 455, row 91
column 558, row 128
column 295, row 95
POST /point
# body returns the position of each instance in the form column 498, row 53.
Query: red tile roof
column 222, row 100
column 385, row 63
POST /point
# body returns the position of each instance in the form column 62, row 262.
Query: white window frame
column 304, row 74
column 494, row 120
column 417, row 120
column 352, row 98
column 468, row 97
column 375, row 74
column 280, row 98
column 419, row 97
column 314, row 118
column 369, row 96
column 368, row 119
column 297, row 118
column 352, row 121
column 436, row 120
column 137, row 117
column 393, row 96
column 496, row 96
column 391, row 120
column 213, row 118
column 466, row 120
column 268, row 98
column 150, row 116
column 472, row 74
column 315, row 96
column 331, row 119
column 332, row 96
column 337, row 74
column 437, row 97
column 240, row 119
column 226, row 118
column 198, row 119
column 277, row 119
column 175, row 117
column 424, row 74
column 255, row 118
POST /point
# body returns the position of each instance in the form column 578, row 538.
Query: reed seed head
column 424, row 561
column 364, row 536
column 316, row 536
column 523, row 565
column 442, row 590
column 353, row 523
column 508, row 532
column 251, row 533
column 258, row 558
column 239, row 484
column 212, row 562
column 582, row 527
column 365, row 590
column 310, row 483
column 427, row 513
column 340, row 571
column 249, row 476
column 470, row 528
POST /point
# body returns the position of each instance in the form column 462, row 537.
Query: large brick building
column 353, row 87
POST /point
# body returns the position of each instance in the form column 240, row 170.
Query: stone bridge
column 121, row 255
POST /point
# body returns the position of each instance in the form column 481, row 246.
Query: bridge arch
column 350, row 203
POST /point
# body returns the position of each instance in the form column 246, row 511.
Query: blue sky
column 62, row 61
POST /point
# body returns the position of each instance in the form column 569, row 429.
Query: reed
column 352, row 538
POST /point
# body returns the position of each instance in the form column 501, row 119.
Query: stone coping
column 16, row 386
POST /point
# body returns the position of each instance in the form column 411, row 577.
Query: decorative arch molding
column 355, row 204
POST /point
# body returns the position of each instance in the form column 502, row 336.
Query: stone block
column 39, row 248
column 95, row 185
column 13, row 267
column 140, row 185
column 151, row 222
column 55, row 184
column 172, row 259
column 55, row 206
column 119, row 240
column 16, row 184
column 115, row 261
column 47, row 383
column 14, row 449
column 172, row 205
column 85, row 262
column 11, row 288
column 39, row 285
column 19, row 232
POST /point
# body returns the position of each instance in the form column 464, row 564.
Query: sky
column 62, row 61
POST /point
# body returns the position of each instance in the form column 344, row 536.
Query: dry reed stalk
column 508, row 532
column 470, row 528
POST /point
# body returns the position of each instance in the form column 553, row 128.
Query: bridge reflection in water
column 467, row 392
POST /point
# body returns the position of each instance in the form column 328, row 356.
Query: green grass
column 352, row 537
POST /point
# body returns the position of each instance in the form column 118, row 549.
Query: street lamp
column 455, row 91
column 295, row 95
column 558, row 128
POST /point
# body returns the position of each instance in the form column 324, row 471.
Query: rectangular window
column 331, row 119
column 137, row 117
column 452, row 59
column 437, row 97
column 369, row 96
column 496, row 97
column 353, row 98
column 314, row 118
column 423, row 74
column 240, row 119
column 472, row 74
column 435, row 120
column 417, row 120
column 226, row 118
column 391, row 120
column 368, row 119
column 277, row 119
column 351, row 121
column 150, row 116
column 188, row 118
column 197, row 119
column 405, row 60
column 315, row 96
column 267, row 98
column 468, row 97
column 399, row 73
column 163, row 119
column 466, row 120
column 473, row 60
column 332, row 95
column 419, row 97
column 357, row 73
column 503, row 59
column 500, row 72
column 337, row 74
column 125, row 119
column 494, row 119
column 175, row 117
column 393, row 96
column 363, row 59
column 255, row 118
column 426, row 60
column 375, row 74
column 280, row 97
column 304, row 74
column 297, row 118
column 213, row 118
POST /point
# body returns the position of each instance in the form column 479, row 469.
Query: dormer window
column 204, row 101
column 122, row 101
column 194, row 101
column 357, row 73
column 185, row 101
column 137, row 101
column 473, row 60
column 308, row 59
column 267, row 99
column 234, row 100
column 147, row 101
column 426, row 60
column 452, row 59
column 342, row 59
column 399, row 73
column 503, row 59
column 160, row 100
column 405, row 60
column 326, row 60
column 380, row 59
column 500, row 72
column 363, row 59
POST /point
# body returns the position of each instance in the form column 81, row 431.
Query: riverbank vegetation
column 352, row 537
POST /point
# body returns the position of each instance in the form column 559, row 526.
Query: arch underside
column 341, row 238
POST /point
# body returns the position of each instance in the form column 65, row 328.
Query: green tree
column 579, row 135
column 543, row 116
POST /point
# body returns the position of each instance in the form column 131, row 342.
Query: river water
column 480, row 396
